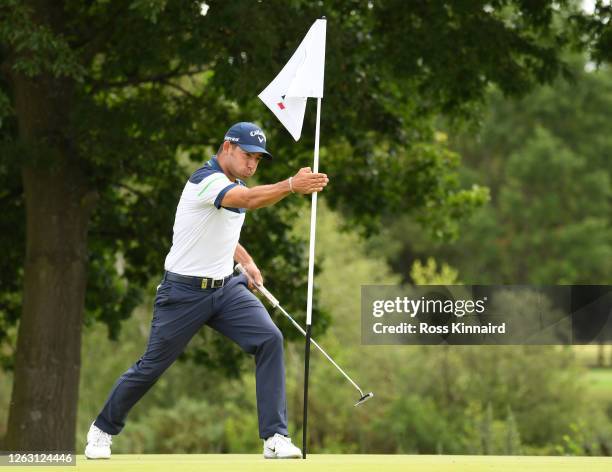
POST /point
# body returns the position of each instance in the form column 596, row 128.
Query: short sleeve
column 213, row 188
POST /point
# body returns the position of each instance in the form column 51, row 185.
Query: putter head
column 364, row 399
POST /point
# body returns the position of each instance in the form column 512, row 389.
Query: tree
column 544, row 230
column 100, row 101
column 544, row 158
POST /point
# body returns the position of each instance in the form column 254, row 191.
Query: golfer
column 198, row 289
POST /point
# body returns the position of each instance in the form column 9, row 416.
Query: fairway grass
column 336, row 462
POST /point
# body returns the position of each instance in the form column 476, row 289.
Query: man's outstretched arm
column 304, row 182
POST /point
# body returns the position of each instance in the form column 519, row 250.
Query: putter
column 364, row 397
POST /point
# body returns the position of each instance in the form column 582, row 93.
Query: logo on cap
column 260, row 135
column 249, row 137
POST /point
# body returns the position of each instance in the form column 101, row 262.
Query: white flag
column 301, row 77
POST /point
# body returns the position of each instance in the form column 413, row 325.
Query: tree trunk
column 42, row 415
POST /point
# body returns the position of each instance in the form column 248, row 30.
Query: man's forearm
column 304, row 182
column 241, row 255
column 265, row 195
column 254, row 275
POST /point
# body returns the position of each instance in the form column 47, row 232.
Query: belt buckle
column 204, row 282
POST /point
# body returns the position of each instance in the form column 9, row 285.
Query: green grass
column 339, row 463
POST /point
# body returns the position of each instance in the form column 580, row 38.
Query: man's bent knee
column 278, row 335
column 275, row 337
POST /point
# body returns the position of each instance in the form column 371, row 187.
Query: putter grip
column 260, row 288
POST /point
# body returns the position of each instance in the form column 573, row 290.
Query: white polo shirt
column 205, row 233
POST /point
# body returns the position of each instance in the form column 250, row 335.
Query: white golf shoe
column 98, row 443
column 280, row 447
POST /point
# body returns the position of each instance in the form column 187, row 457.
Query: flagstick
column 313, row 227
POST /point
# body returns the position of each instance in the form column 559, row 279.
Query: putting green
column 336, row 462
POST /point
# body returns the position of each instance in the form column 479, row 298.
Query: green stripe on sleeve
column 208, row 184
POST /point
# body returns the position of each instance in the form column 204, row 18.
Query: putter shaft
column 296, row 324
column 275, row 303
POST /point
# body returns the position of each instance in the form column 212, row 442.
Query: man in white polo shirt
column 198, row 289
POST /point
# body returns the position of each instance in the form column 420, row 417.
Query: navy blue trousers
column 180, row 310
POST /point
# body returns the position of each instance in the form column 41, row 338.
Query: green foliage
column 427, row 431
column 545, row 160
column 550, row 222
column 36, row 47
column 426, row 169
column 555, row 225
column 181, row 429
column 453, row 35
column 429, row 274
column 484, row 434
column 149, row 9
column 594, row 31
column 512, row 444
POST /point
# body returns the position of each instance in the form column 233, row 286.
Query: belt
column 201, row 282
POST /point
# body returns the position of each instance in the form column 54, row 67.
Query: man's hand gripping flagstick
column 276, row 304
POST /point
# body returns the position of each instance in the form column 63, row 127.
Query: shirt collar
column 214, row 163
